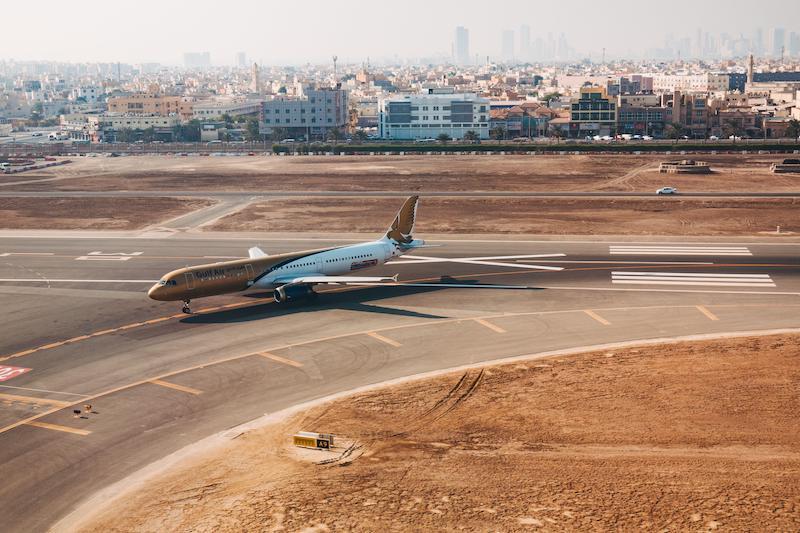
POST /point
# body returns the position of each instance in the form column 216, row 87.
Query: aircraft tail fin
column 402, row 228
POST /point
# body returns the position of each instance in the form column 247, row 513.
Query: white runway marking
column 612, row 262
column 7, row 254
column 692, row 278
column 678, row 250
column 113, row 256
column 485, row 261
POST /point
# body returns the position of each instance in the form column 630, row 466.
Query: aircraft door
column 251, row 276
column 189, row 280
column 320, row 266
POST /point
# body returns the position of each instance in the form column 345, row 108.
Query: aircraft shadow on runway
column 353, row 300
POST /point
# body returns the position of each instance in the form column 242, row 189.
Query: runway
column 78, row 330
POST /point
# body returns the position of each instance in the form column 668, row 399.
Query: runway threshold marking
column 279, row 359
column 418, row 280
column 175, row 386
column 597, row 317
column 32, row 399
column 381, row 338
column 486, row 323
column 57, row 427
column 703, row 309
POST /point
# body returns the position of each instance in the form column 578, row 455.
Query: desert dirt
column 535, row 216
column 543, row 173
column 92, row 213
column 681, row 437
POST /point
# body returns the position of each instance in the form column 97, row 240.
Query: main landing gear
column 186, row 308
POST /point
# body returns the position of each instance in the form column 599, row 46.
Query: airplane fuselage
column 272, row 271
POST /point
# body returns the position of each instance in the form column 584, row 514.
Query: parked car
column 667, row 190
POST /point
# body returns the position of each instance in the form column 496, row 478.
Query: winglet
column 402, row 227
column 255, row 252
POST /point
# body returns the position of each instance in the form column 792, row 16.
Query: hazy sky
column 303, row 31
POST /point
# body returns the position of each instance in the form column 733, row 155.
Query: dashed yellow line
column 486, row 323
column 182, row 388
column 56, row 427
column 279, row 359
column 597, row 317
column 703, row 309
column 387, row 340
column 33, row 400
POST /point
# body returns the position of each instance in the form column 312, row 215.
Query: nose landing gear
column 186, row 308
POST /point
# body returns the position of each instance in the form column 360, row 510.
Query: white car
column 667, row 190
column 36, row 134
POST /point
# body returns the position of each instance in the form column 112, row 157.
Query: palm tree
column 444, row 138
column 497, row 133
column 793, row 129
column 335, row 134
column 472, row 136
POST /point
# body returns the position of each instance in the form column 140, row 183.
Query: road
column 362, row 194
column 78, row 327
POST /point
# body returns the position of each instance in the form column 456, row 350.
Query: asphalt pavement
column 78, row 330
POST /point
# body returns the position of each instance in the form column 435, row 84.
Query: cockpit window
column 162, row 282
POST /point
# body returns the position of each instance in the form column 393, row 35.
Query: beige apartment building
column 152, row 104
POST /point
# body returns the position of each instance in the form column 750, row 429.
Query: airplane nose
column 153, row 292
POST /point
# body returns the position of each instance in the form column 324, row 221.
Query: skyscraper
column 241, row 60
column 794, row 44
column 461, row 49
column 777, row 40
column 525, row 42
column 507, row 50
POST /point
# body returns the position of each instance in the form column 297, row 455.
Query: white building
column 137, row 122
column 426, row 116
column 89, row 94
column 690, row 83
column 214, row 109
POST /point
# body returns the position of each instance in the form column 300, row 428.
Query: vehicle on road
column 36, row 134
column 667, row 190
column 293, row 275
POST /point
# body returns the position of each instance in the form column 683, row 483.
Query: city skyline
column 271, row 36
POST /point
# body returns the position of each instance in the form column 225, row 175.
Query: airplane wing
column 334, row 280
column 370, row 281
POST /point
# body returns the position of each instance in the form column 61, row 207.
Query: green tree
column 335, row 134
column 550, row 97
column 472, row 136
column 251, row 132
column 279, row 134
column 732, row 129
column 188, row 133
column 675, row 131
column 227, row 119
column 793, row 129
column 556, row 131
column 498, row 133
column 444, row 138
column 361, row 136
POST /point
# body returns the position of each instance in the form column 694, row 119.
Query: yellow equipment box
column 320, row 441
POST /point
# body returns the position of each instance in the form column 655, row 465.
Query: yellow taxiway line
column 597, row 317
column 31, row 399
column 56, row 427
column 703, row 309
column 175, row 386
column 282, row 360
column 381, row 338
column 486, row 323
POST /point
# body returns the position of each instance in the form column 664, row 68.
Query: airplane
column 293, row 275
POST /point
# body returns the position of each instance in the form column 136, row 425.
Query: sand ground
column 533, row 216
column 92, row 213
column 690, row 436
column 406, row 173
